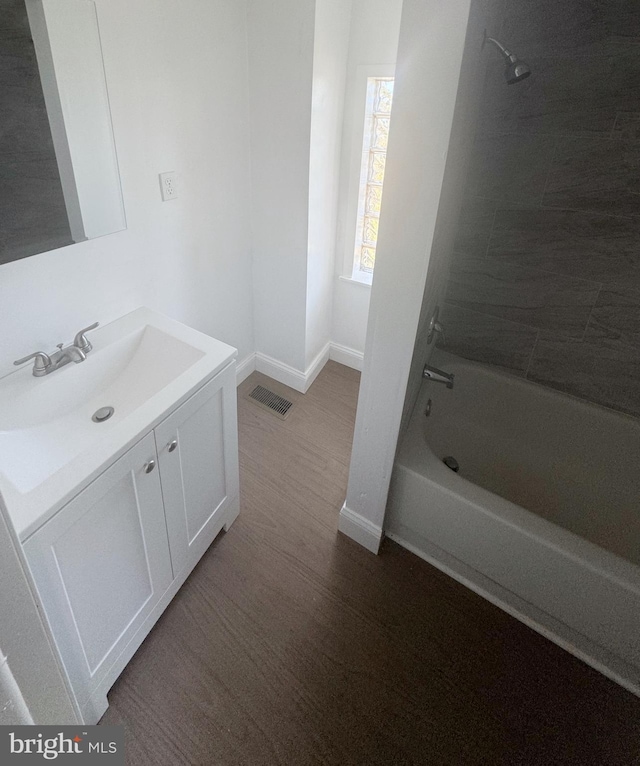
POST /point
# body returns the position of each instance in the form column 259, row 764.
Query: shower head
column 515, row 70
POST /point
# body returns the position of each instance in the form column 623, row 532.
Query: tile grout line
column 535, row 345
column 491, row 232
column 551, row 164
column 492, row 316
column 586, row 327
column 561, row 274
column 613, row 127
column 584, row 211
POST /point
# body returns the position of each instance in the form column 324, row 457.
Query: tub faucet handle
column 435, row 327
column 439, row 330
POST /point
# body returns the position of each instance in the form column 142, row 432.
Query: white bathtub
column 543, row 517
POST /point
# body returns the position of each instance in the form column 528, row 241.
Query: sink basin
column 45, row 422
column 141, row 365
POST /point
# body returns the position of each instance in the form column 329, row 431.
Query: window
column 377, row 118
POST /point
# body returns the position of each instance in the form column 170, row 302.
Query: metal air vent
column 278, row 405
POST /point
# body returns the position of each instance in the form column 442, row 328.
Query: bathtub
column 543, row 517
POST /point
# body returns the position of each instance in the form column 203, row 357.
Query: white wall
column 373, row 40
column 331, row 45
column 280, row 34
column 190, row 257
column 430, row 51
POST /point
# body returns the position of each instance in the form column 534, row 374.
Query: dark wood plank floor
column 291, row 645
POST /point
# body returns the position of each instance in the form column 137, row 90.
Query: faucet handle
column 81, row 341
column 439, row 330
column 435, row 327
column 42, row 363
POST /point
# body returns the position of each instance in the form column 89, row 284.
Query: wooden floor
column 291, row 645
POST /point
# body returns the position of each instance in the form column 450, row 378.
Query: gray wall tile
column 511, row 167
column 565, row 28
column 562, row 96
column 622, row 22
column 602, row 373
column 559, row 154
column 598, row 247
column 540, row 299
column 593, row 174
column 572, row 28
column 487, row 339
column 627, row 126
column 474, row 226
column 13, row 16
column 616, row 316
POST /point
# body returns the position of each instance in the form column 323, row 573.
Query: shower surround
column 545, row 274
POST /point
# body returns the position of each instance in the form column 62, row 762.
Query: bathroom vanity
column 113, row 514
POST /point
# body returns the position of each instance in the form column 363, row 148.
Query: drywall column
column 331, row 47
column 280, row 36
column 431, row 46
column 373, row 42
column 297, row 58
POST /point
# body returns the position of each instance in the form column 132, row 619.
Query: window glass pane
column 370, row 232
column 384, row 96
column 376, row 167
column 373, row 199
column 374, row 156
column 367, row 259
column 380, row 132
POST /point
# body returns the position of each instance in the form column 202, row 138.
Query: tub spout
column 438, row 376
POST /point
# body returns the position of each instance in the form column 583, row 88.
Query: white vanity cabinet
column 101, row 565
column 108, row 563
column 197, row 448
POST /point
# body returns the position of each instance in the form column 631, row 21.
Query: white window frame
column 363, row 73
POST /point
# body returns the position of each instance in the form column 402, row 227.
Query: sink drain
column 104, row 413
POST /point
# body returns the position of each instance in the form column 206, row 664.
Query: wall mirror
column 59, row 179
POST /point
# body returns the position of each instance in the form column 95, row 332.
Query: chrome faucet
column 438, row 376
column 77, row 351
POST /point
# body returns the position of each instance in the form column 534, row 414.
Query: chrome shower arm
column 506, row 53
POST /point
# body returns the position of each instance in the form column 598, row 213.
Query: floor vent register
column 266, row 399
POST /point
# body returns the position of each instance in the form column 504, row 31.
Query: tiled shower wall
column 33, row 215
column 545, row 277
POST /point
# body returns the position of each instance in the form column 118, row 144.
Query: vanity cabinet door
column 101, row 564
column 198, row 455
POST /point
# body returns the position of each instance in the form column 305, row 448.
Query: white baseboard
column 361, row 530
column 347, row 356
column 245, row 368
column 280, row 371
column 290, row 376
column 314, row 369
